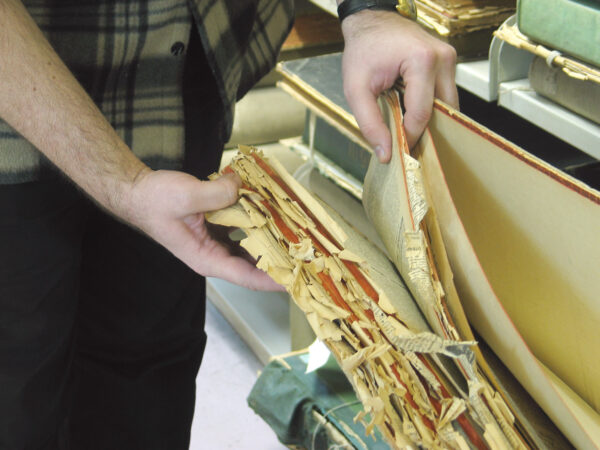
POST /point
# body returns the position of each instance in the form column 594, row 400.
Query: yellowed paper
column 361, row 309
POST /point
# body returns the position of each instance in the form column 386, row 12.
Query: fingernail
column 379, row 151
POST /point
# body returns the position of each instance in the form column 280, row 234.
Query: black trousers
column 101, row 329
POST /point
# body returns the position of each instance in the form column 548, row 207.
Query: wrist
column 363, row 21
column 130, row 195
column 405, row 8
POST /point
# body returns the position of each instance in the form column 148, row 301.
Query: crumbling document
column 522, row 241
column 418, row 381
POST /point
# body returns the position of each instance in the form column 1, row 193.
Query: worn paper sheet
column 396, row 201
column 452, row 19
column 387, row 193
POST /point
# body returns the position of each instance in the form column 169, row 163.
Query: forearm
column 43, row 101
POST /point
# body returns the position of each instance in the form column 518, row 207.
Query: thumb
column 216, row 194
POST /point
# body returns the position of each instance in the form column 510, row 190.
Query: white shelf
column 518, row 97
column 474, row 77
column 260, row 318
column 503, row 77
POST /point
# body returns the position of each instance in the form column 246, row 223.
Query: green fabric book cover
column 348, row 155
column 569, row 26
column 285, row 398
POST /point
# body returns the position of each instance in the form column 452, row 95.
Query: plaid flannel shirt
column 129, row 56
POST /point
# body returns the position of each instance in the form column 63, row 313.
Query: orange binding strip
column 394, row 102
column 352, row 267
column 462, row 420
column 409, row 398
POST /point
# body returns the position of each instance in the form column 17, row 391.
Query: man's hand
column 380, row 46
column 169, row 206
column 42, row 100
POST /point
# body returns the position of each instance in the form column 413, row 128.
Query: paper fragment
column 416, row 191
column 318, row 355
column 234, row 216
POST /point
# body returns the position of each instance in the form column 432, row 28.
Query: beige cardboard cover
column 523, row 240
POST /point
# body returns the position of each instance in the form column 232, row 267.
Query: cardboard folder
column 523, row 240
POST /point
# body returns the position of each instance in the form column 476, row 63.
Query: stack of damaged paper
column 465, row 24
column 400, row 340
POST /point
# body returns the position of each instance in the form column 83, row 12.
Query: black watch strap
column 349, row 7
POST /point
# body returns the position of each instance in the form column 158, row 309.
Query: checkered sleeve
column 129, row 55
column 241, row 39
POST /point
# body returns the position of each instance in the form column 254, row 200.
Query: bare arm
column 42, row 100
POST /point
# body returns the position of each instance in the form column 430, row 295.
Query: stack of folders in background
column 465, row 24
column 565, row 37
column 522, row 243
